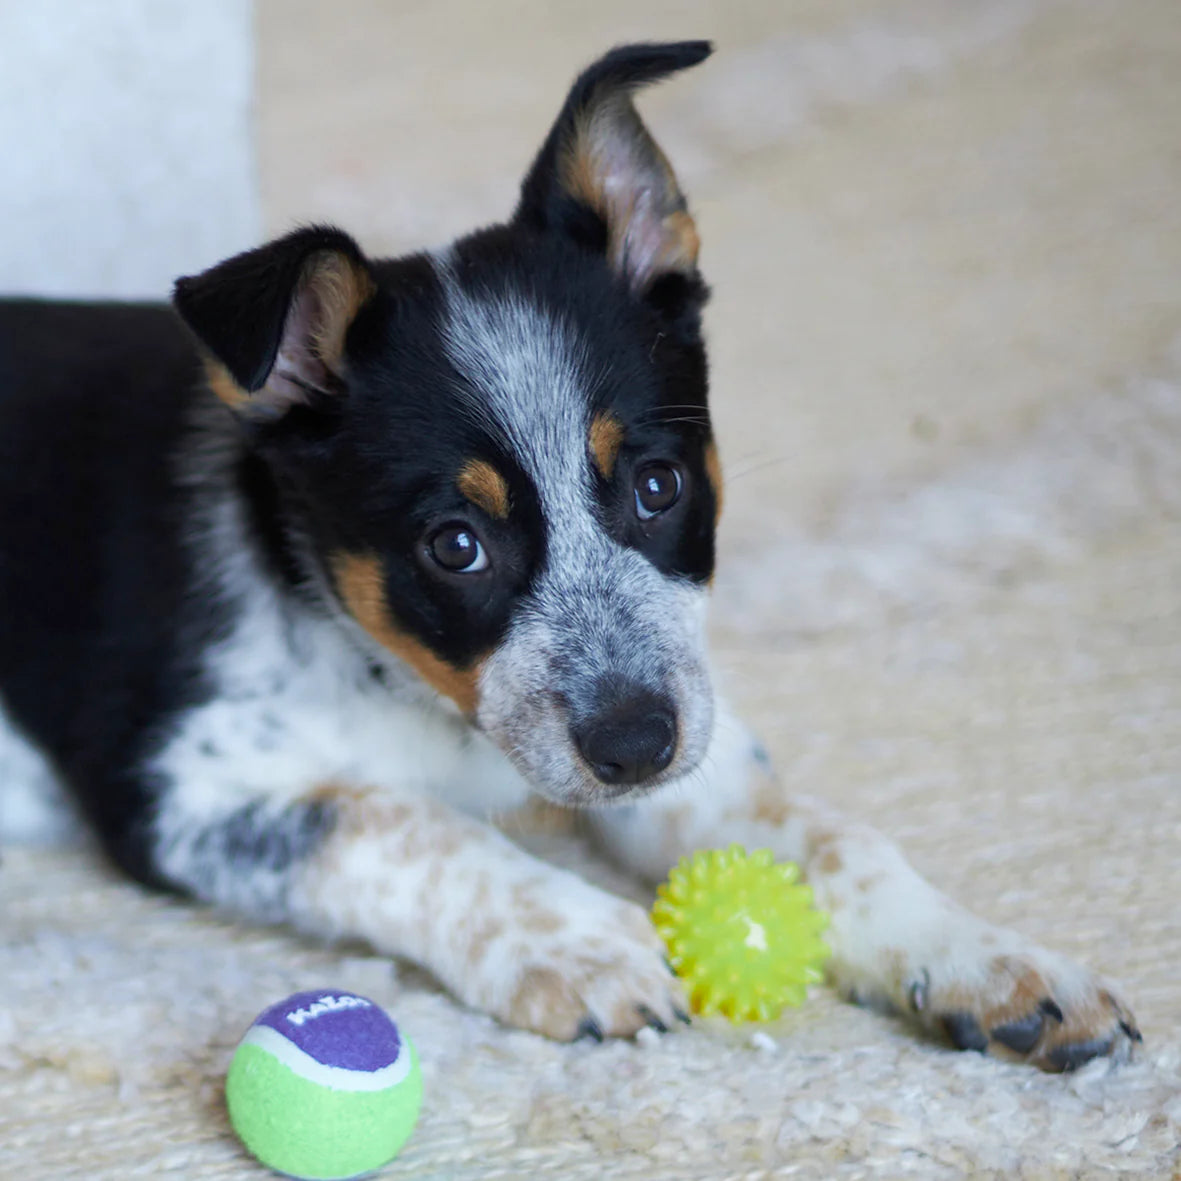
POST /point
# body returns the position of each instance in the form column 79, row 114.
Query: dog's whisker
column 737, row 472
column 703, row 423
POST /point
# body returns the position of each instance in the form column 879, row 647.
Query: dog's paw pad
column 964, row 1032
column 1020, row 1036
column 1033, row 1007
column 1072, row 1055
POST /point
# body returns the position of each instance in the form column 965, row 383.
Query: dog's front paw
column 577, row 962
column 1020, row 1002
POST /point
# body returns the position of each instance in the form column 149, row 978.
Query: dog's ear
column 274, row 320
column 601, row 178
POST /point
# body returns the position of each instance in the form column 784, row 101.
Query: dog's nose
column 630, row 740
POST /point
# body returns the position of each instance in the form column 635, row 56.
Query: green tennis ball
column 324, row 1087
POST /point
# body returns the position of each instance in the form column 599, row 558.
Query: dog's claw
column 589, row 1030
column 651, row 1020
column 1131, row 1031
column 1051, row 1008
column 919, row 990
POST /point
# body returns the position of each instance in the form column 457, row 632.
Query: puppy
column 301, row 584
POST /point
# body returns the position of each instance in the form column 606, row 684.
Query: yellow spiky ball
column 741, row 932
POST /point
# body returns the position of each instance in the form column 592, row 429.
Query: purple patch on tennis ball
column 336, row 1028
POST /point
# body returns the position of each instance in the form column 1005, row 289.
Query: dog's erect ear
column 600, row 158
column 274, row 320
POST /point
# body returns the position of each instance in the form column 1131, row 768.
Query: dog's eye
column 457, row 549
column 658, row 488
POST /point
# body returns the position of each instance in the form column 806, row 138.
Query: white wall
column 126, row 149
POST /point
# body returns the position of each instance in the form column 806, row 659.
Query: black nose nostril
column 608, row 772
column 630, row 741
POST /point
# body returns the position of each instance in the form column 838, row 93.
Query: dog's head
column 499, row 456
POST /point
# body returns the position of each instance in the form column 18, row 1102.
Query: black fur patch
column 95, row 577
column 257, row 847
column 106, row 606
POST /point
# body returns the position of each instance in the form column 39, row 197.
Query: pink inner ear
column 616, row 167
column 299, row 370
column 650, row 245
column 310, row 356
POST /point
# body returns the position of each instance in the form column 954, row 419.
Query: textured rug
column 944, row 240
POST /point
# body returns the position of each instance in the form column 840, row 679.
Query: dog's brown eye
column 458, row 549
column 658, row 487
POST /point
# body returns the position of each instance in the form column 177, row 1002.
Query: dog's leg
column 531, row 944
column 895, row 938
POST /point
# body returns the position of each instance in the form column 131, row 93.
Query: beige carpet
column 945, row 240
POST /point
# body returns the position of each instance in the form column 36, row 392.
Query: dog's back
column 94, row 399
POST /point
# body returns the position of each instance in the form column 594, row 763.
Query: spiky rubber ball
column 742, row 933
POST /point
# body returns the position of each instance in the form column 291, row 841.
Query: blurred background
column 928, row 223
column 944, row 239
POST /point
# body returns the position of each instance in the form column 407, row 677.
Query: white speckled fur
column 600, row 608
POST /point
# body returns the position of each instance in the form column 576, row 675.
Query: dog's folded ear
column 601, row 178
column 274, row 320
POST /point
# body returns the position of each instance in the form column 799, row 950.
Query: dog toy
column 324, row 1086
column 741, row 932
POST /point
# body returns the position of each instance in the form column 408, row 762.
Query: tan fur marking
column 830, row 861
column 485, row 935
column 338, row 795
column 681, row 243
column 713, row 469
column 606, row 437
column 539, row 816
column 359, row 580
column 533, row 915
column 819, row 837
column 543, row 1000
column 538, row 921
column 1019, row 995
column 360, row 811
column 580, row 166
column 483, row 485
column 769, row 803
column 579, row 179
column 341, row 289
column 224, row 386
